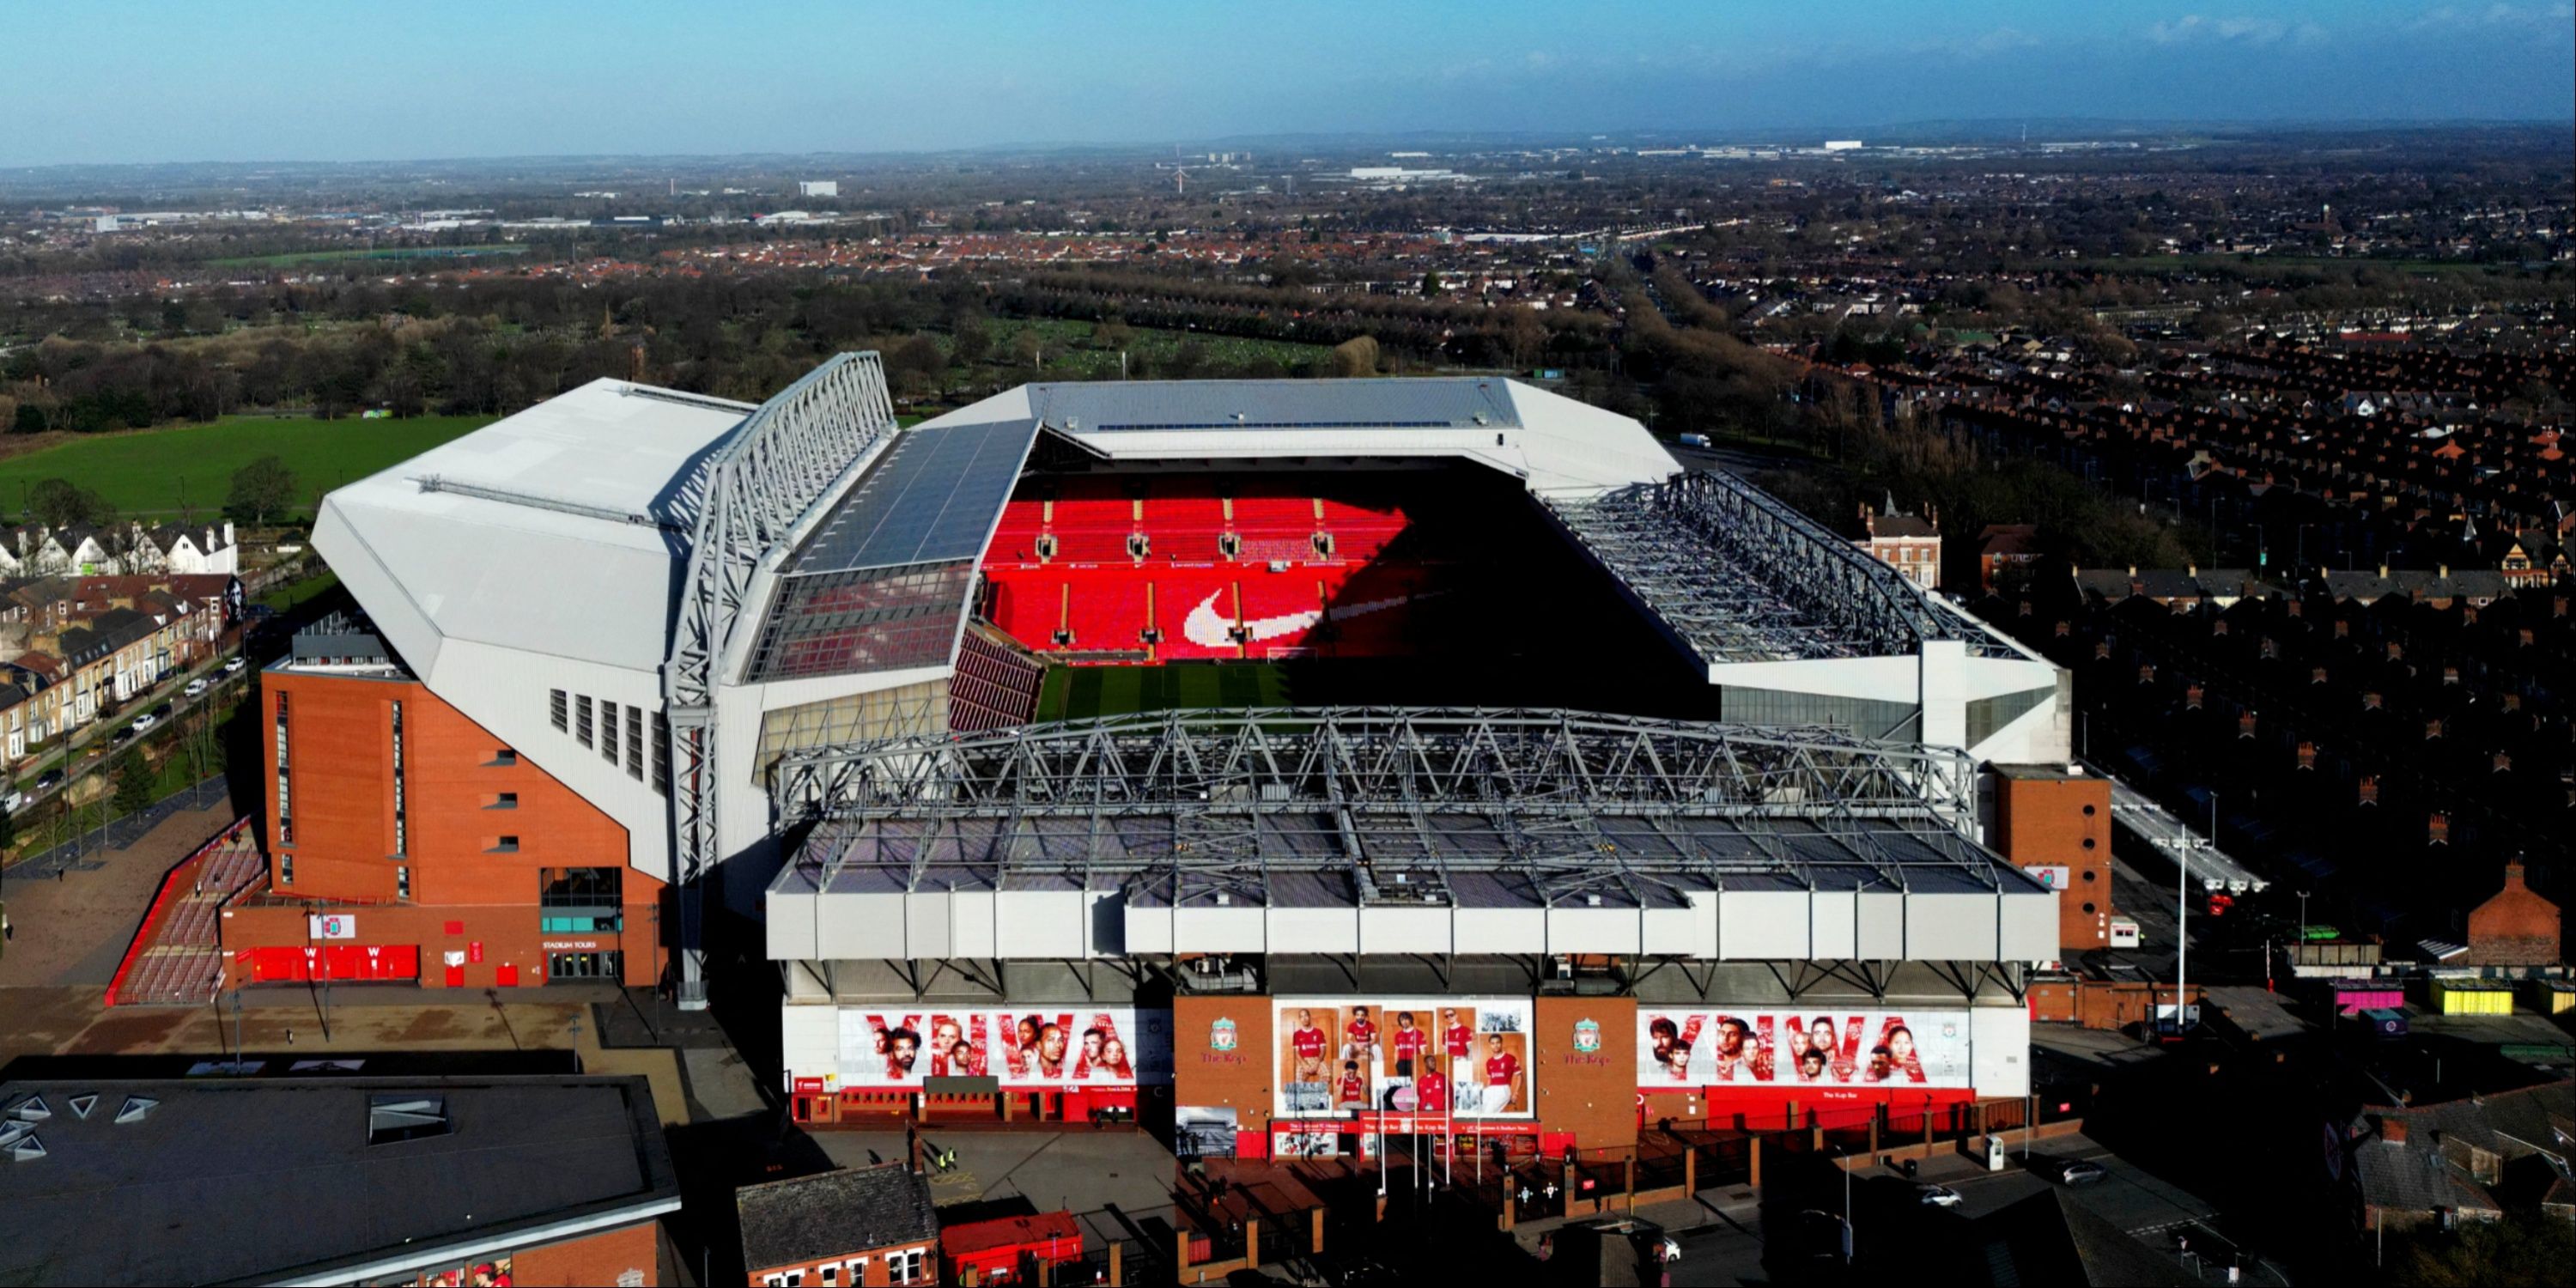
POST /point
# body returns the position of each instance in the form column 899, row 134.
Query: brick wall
column 461, row 797
column 2058, row 820
column 1590, row 1093
column 2514, row 928
column 1203, row 1077
column 593, row 1258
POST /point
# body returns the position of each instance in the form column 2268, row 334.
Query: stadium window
column 581, row 720
column 608, row 731
column 402, row 830
column 661, row 754
column 504, row 757
column 506, row 800
column 506, row 845
column 635, row 743
column 285, row 868
column 402, row 882
column 562, row 703
column 285, row 797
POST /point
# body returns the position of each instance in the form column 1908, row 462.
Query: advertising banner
column 1466, row 1057
column 1037, row 1048
column 1790, row 1047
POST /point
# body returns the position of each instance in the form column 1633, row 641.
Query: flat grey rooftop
column 933, row 498
column 270, row 1178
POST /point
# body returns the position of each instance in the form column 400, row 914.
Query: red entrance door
column 456, row 977
column 507, row 976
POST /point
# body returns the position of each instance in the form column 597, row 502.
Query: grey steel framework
column 763, row 486
column 1185, row 807
column 1741, row 577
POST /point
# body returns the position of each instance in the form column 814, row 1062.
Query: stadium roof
column 553, row 531
column 1736, row 575
column 1553, row 442
column 1443, row 830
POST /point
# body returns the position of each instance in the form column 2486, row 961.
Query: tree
column 1029, row 347
column 133, row 785
column 1356, row 356
column 59, row 503
column 971, row 340
column 1430, row 284
column 260, row 489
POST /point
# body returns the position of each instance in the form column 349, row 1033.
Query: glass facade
column 878, row 619
column 1865, row 717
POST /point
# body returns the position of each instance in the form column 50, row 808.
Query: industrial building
column 1474, row 759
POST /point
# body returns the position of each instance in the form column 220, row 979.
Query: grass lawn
column 1082, row 692
column 1073, row 354
column 159, row 473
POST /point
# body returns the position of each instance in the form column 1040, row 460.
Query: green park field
column 161, row 473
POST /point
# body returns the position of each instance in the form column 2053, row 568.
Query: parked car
column 14, row 801
column 233, row 666
column 2076, row 1171
column 1937, row 1195
column 197, row 688
column 141, row 723
column 161, row 712
column 49, row 778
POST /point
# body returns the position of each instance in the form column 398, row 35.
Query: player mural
column 1059, row 1046
column 1341, row 1055
column 1789, row 1047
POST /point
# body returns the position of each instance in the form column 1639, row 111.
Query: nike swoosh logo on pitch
column 1209, row 628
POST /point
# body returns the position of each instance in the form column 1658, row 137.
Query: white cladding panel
column 1315, row 930
column 1040, row 924
column 1501, row 930
column 809, row 1038
column 1201, row 928
column 970, row 929
column 1954, row 927
column 1832, row 921
column 1882, row 926
column 792, row 927
column 1149, row 930
column 1405, row 930
column 2030, row 928
column 1758, row 925
column 1999, row 1044
column 863, row 926
column 1591, row 930
column 925, row 922
column 1683, row 932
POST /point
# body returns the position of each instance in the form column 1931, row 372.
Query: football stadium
column 1282, row 759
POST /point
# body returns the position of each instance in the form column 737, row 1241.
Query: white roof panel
column 535, row 557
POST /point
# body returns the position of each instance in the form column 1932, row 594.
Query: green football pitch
column 1083, row 692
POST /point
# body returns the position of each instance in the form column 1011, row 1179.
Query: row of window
column 611, row 728
column 911, row 1266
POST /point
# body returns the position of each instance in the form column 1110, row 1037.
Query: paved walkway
column 72, row 927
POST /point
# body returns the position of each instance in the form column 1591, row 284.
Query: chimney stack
column 2393, row 1130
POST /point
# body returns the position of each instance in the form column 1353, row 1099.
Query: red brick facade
column 2047, row 818
column 458, row 876
column 2514, row 928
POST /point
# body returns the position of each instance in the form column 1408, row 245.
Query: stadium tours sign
column 1806, row 1046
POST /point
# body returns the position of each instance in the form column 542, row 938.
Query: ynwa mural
column 1810, row 1045
column 1043, row 1046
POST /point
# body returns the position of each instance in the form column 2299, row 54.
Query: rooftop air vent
column 27, row 1149
column 31, row 1110
column 391, row 1119
column 81, row 1105
column 136, row 1109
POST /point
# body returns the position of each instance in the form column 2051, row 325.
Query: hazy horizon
column 294, row 82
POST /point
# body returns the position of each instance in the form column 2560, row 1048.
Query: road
column 78, row 759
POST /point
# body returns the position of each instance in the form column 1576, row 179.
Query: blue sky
column 238, row 80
